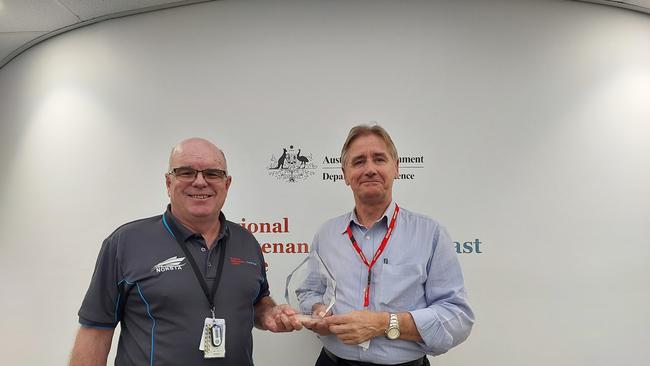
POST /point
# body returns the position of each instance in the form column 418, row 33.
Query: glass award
column 310, row 283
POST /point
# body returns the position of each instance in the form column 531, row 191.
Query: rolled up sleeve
column 448, row 319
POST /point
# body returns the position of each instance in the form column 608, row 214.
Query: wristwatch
column 392, row 332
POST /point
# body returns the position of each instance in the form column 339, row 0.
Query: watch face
column 392, row 333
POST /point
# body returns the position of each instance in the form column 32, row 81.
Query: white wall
column 533, row 118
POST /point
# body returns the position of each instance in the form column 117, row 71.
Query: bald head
column 198, row 148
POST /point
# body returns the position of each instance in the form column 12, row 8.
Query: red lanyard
column 382, row 246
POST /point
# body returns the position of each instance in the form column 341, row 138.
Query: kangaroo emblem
column 281, row 160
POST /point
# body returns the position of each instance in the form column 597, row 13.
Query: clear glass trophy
column 310, row 283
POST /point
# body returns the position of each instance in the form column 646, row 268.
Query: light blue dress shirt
column 418, row 272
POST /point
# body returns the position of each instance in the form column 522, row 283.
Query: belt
column 341, row 361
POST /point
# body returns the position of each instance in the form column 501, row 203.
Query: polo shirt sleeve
column 101, row 305
column 448, row 318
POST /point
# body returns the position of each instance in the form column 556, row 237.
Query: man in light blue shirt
column 400, row 292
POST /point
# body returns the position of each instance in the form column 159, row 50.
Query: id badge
column 213, row 338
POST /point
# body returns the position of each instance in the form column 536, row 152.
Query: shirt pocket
column 401, row 286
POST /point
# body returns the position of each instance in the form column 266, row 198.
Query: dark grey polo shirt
column 143, row 282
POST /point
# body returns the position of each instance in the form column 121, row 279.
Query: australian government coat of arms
column 291, row 165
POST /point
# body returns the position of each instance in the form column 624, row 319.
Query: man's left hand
column 357, row 326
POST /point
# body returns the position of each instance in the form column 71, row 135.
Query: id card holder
column 213, row 338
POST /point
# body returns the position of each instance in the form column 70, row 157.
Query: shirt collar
column 184, row 234
column 352, row 217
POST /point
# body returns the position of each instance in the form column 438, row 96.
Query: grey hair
column 363, row 130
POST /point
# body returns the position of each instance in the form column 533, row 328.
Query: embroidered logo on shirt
column 172, row 264
column 237, row 261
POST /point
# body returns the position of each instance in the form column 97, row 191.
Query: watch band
column 392, row 332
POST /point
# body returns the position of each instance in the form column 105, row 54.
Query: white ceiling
column 24, row 23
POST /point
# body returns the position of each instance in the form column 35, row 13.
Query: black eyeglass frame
column 213, row 175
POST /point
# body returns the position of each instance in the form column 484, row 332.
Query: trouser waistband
column 342, row 361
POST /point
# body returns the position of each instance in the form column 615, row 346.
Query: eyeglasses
column 189, row 174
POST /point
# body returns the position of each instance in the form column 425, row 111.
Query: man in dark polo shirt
column 186, row 286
